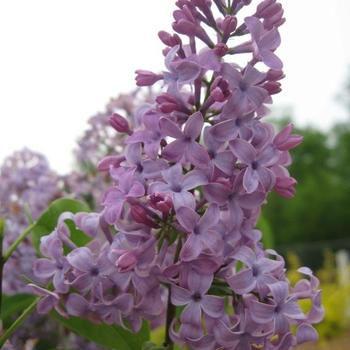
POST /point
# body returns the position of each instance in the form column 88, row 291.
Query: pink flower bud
column 139, row 214
column 285, row 186
column 147, row 78
column 284, row 141
column 228, row 26
column 126, row 262
column 161, row 202
column 168, row 39
column 119, row 123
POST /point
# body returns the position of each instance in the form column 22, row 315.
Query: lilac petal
column 269, row 265
column 197, row 155
column 252, row 76
column 281, row 323
column 192, row 314
column 171, row 56
column 76, row 305
column 187, row 72
column 191, row 249
column 293, row 310
column 133, row 153
column 213, row 306
column 59, row 282
column 199, row 283
column 225, row 162
column 209, row 139
column 255, row 27
column 112, row 213
column 225, row 131
column 187, row 218
column 271, row 60
column 225, row 337
column 44, row 268
column 194, row 125
column 250, row 180
column 169, row 128
column 180, row 296
column 212, row 241
column 173, row 175
column 257, row 95
column 46, row 304
column 306, row 333
column 246, row 255
column 231, row 74
column 242, row 282
column 175, row 150
column 286, row 342
column 136, row 190
column 83, row 282
column 271, row 40
column 216, row 193
column 260, row 312
column 81, row 259
column 243, row 150
column 183, row 199
column 194, row 179
column 251, row 200
column 210, row 217
column 279, row 291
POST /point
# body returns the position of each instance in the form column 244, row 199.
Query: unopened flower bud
column 147, row 78
column 119, row 123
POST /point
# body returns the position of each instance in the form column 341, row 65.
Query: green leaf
column 48, row 221
column 112, row 337
column 13, row 305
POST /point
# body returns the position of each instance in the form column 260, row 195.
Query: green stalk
column 17, row 242
column 7, row 334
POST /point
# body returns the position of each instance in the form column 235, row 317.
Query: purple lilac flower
column 191, row 173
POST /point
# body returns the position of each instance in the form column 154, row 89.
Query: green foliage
column 13, row 305
column 320, row 210
column 112, row 337
column 48, row 221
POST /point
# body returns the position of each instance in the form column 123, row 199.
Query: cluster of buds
column 175, row 241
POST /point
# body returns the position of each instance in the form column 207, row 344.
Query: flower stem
column 18, row 322
column 17, row 242
column 171, row 309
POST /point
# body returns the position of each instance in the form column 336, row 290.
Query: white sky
column 61, row 61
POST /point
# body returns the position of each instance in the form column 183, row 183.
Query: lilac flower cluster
column 27, row 186
column 176, row 241
column 98, row 141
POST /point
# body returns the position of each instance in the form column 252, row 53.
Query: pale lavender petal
column 243, row 150
column 81, row 259
column 213, row 306
column 260, row 312
column 187, row 218
column 44, row 268
column 180, row 296
column 306, row 333
column 194, row 125
column 250, row 180
column 242, row 282
column 194, row 179
column 191, row 249
column 169, row 128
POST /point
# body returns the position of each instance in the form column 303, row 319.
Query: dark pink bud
column 185, row 27
column 147, row 78
column 272, row 87
column 220, row 90
column 228, row 25
column 110, row 162
column 168, row 39
column 284, row 141
column 119, row 123
column 161, row 202
column 285, row 186
column 139, row 214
